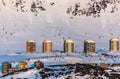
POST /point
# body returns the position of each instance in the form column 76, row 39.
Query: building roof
column 89, row 41
column 69, row 40
column 30, row 41
column 47, row 41
column 22, row 62
column 6, row 63
column 114, row 39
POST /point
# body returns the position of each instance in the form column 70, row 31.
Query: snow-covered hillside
column 57, row 20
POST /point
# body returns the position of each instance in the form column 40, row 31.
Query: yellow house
column 22, row 65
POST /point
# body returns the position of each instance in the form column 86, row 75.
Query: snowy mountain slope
column 94, row 7
column 22, row 20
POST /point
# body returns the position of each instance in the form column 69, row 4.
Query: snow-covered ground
column 60, row 59
column 54, row 59
column 31, row 74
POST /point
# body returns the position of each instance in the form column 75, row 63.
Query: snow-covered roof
column 89, row 41
column 114, row 39
column 30, row 41
column 69, row 40
column 47, row 41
